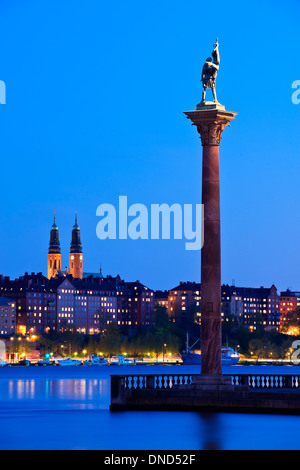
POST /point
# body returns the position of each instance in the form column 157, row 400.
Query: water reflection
column 21, row 389
column 86, row 393
column 212, row 432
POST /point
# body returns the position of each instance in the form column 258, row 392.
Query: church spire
column 76, row 246
column 76, row 252
column 54, row 245
column 54, row 253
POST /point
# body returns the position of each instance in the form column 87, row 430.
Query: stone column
column 210, row 124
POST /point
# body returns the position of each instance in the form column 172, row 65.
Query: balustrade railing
column 132, row 386
column 160, row 381
column 168, row 381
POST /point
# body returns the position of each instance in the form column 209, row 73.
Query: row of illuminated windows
column 72, row 291
column 40, row 308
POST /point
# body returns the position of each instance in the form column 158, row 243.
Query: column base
column 212, row 382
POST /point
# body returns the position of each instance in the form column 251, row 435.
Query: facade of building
column 184, row 302
column 162, row 298
column 7, row 316
column 35, row 301
column 261, row 307
column 289, row 302
column 253, row 307
column 232, row 303
column 84, row 305
column 135, row 304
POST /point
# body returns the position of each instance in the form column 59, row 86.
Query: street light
column 164, row 352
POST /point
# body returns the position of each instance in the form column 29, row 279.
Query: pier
column 270, row 393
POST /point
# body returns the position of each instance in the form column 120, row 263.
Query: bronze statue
column 209, row 73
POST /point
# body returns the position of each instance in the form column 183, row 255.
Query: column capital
column 210, row 124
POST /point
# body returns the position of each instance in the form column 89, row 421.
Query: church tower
column 76, row 265
column 54, row 254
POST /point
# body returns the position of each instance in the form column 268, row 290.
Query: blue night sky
column 95, row 98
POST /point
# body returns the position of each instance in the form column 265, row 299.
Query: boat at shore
column 189, row 357
column 96, row 361
column 69, row 362
column 123, row 361
column 46, row 362
column 229, row 357
column 24, row 362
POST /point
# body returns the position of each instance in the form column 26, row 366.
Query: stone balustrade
column 270, row 392
column 167, row 381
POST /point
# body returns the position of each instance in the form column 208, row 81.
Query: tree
column 161, row 318
column 110, row 343
column 261, row 348
column 229, row 322
column 291, row 324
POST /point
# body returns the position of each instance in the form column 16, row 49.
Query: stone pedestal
column 210, row 105
column 211, row 121
column 212, row 382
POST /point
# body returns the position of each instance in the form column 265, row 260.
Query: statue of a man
column 209, row 73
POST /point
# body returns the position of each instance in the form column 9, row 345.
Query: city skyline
column 149, row 255
column 69, row 152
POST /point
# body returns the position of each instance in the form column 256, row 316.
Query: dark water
column 68, row 408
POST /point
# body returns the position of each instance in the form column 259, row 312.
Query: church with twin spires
column 75, row 256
